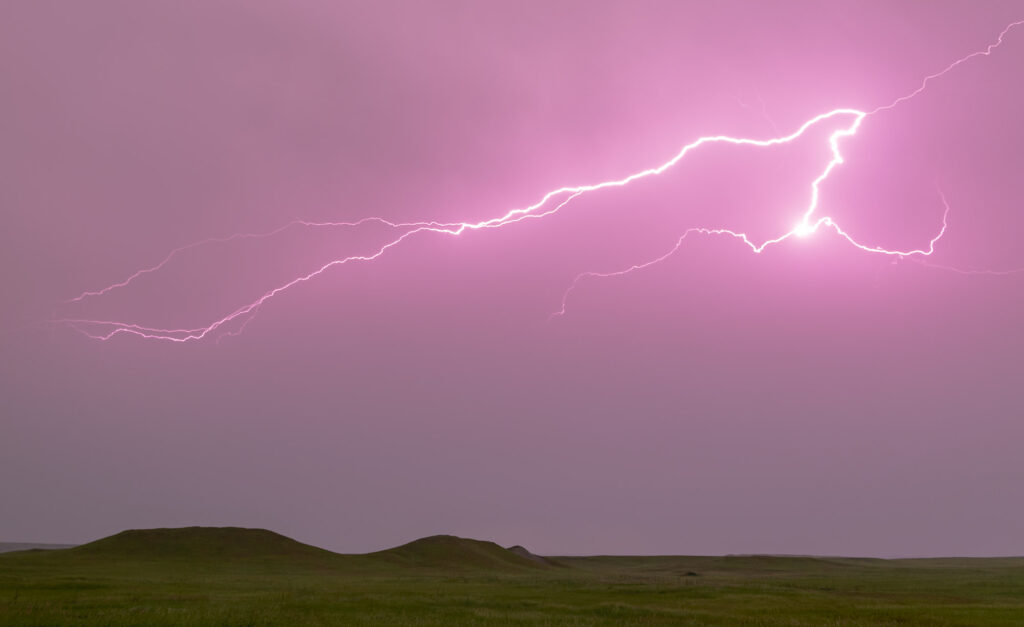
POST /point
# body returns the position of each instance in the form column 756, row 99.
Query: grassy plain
column 203, row 576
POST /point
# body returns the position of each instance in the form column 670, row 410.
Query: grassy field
column 205, row 576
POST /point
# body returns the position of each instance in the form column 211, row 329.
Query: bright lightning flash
column 550, row 203
column 803, row 229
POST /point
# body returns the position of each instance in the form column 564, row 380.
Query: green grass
column 203, row 576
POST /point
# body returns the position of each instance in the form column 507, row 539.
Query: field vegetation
column 253, row 577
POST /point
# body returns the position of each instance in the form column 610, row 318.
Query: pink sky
column 814, row 398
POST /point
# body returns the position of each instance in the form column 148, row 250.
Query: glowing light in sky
column 552, row 202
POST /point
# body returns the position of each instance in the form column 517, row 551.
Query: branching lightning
column 550, row 203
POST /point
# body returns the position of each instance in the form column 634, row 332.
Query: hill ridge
column 196, row 541
column 202, row 544
column 454, row 552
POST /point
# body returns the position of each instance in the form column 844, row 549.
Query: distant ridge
column 454, row 553
column 223, row 543
column 7, row 547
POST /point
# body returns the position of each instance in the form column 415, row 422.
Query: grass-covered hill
column 256, row 578
column 454, row 553
column 199, row 543
column 202, row 548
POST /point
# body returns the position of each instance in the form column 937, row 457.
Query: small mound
column 454, row 553
column 523, row 552
column 222, row 543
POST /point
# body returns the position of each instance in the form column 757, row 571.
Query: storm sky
column 814, row 398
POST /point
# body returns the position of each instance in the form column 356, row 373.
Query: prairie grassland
column 251, row 577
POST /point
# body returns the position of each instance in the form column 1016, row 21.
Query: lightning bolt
column 237, row 236
column 802, row 229
column 550, row 203
column 762, row 111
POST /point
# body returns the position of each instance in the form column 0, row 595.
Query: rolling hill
column 197, row 543
column 253, row 577
column 202, row 547
column 454, row 553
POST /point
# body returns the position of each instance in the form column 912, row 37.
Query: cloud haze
column 814, row 398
